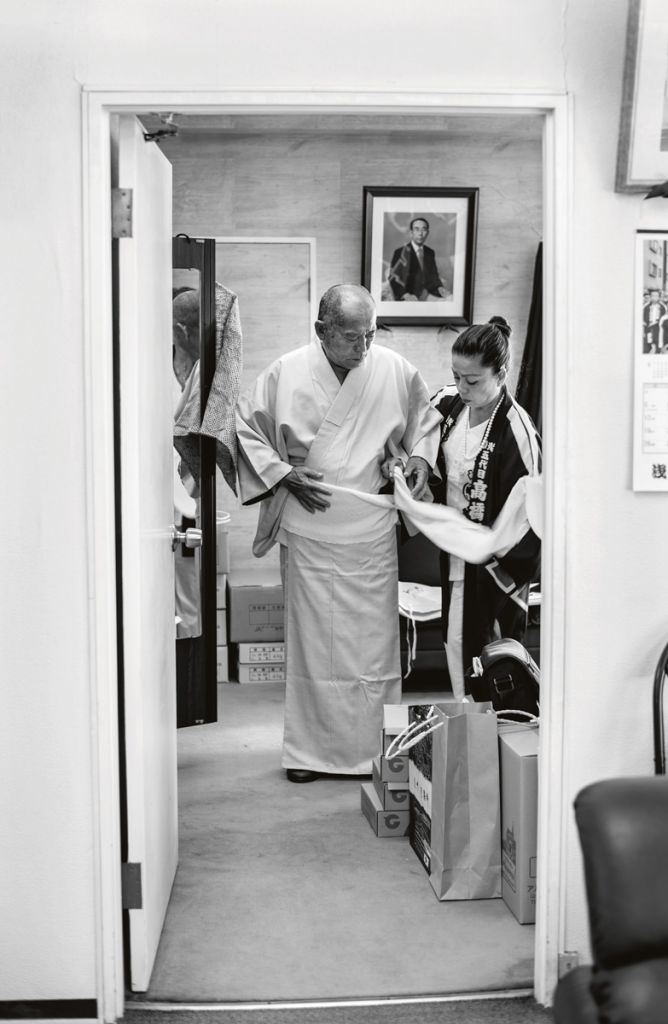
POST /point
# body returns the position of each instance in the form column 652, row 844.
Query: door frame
column 97, row 106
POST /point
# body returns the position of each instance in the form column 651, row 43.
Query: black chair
column 419, row 563
column 623, row 829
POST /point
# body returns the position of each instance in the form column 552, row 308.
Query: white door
column 147, row 516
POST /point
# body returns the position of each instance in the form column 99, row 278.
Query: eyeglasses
column 366, row 336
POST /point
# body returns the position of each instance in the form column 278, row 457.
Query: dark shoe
column 301, row 775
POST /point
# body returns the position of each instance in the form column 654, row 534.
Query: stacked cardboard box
column 385, row 799
column 255, row 618
column 261, row 663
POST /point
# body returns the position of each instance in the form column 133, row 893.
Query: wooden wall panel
column 287, row 183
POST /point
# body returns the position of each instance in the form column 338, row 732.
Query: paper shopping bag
column 455, row 801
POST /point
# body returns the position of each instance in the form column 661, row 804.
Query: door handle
column 192, row 537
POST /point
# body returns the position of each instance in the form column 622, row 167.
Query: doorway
column 554, row 115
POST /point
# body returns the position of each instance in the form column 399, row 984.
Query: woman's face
column 478, row 385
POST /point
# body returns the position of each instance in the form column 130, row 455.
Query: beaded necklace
column 488, row 428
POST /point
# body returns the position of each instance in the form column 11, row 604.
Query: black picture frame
column 390, row 268
column 642, row 151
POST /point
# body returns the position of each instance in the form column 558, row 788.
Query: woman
column 488, row 442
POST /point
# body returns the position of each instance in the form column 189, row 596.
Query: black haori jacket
column 496, row 593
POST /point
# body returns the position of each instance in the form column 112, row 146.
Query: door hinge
column 121, row 213
column 567, row 961
column 131, row 886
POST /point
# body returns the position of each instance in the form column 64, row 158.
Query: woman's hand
column 417, row 476
column 299, row 482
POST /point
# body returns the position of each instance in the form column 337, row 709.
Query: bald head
column 340, row 298
column 185, row 332
column 346, row 325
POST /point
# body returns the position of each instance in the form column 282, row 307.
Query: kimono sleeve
column 263, row 459
column 423, row 424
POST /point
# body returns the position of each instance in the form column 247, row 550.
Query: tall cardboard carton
column 518, row 753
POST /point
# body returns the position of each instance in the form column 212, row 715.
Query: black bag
column 506, row 675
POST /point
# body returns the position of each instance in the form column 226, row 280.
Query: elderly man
column 314, row 433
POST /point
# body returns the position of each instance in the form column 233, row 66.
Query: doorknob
column 192, row 537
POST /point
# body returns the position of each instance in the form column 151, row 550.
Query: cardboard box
column 393, row 796
column 395, row 720
column 518, row 754
column 255, row 603
column 273, row 673
column 256, row 654
column 222, row 665
column 384, row 823
column 222, row 550
column 394, row 769
column 221, row 590
column 221, row 627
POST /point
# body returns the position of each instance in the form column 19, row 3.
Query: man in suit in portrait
column 653, row 311
column 413, row 275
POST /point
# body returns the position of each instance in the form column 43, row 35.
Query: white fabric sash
column 445, row 527
column 451, row 531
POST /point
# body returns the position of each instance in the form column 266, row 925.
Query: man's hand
column 387, row 468
column 300, row 483
column 417, row 475
column 408, row 297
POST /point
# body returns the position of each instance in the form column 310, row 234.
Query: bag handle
column 533, row 721
column 413, row 733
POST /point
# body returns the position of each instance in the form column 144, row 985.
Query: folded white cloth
column 451, row 531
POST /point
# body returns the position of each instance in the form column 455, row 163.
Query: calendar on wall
column 650, row 446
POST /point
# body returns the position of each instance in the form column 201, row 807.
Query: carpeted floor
column 283, row 892
column 478, row 1011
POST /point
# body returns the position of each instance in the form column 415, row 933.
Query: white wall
column 617, row 583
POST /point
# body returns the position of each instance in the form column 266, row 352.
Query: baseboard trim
column 323, row 1004
column 48, row 1009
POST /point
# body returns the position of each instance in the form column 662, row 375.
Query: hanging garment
column 342, row 648
column 529, row 382
column 186, row 566
column 218, row 419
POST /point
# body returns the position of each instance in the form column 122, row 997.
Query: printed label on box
column 263, row 614
column 262, row 673
column 252, row 654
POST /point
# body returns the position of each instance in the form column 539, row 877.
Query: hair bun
column 502, row 324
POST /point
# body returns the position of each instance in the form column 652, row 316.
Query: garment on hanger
column 218, row 420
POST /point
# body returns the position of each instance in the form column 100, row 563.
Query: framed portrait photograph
column 418, row 253
column 642, row 156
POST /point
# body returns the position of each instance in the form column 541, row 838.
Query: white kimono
column 341, row 610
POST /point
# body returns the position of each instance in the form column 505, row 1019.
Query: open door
column 145, row 516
